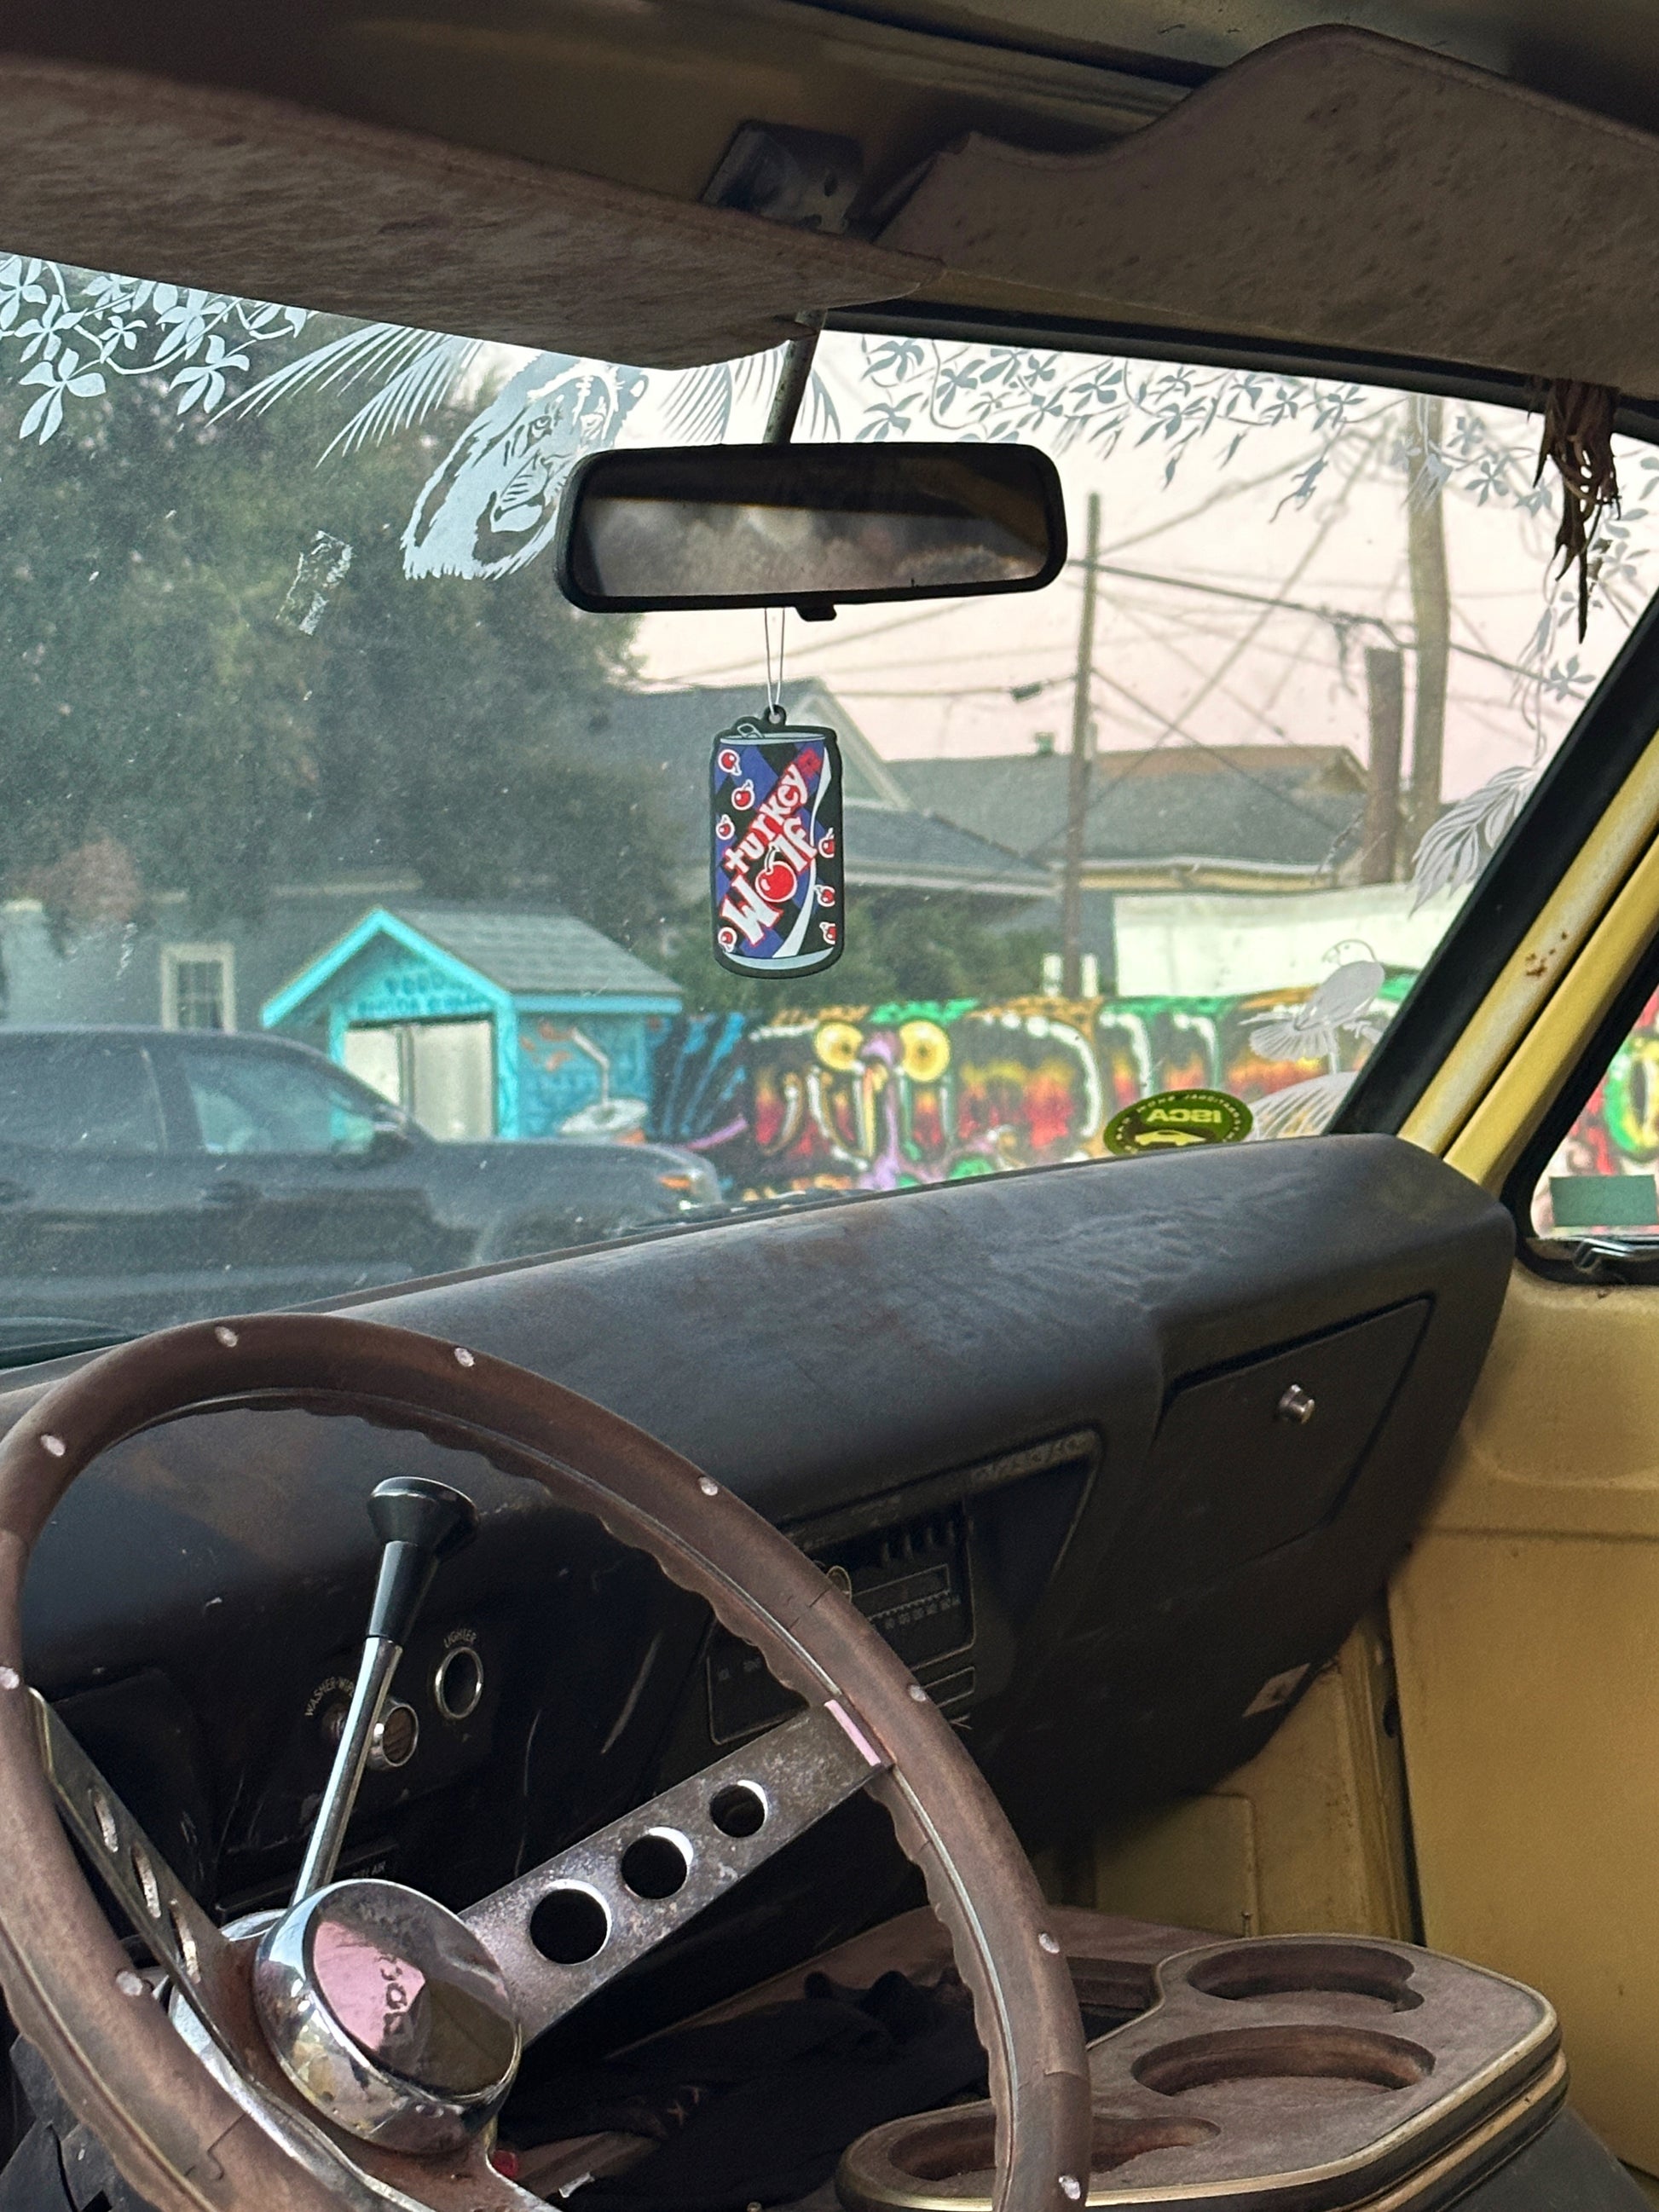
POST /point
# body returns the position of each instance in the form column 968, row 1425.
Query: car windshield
column 358, row 921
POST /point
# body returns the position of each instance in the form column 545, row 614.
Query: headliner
column 502, row 167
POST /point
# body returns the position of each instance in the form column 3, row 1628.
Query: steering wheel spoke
column 207, row 1977
column 173, row 1926
column 285, row 2076
column 605, row 1902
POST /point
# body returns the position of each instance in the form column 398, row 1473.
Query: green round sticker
column 1171, row 1119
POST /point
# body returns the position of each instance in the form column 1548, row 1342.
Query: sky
column 1176, row 664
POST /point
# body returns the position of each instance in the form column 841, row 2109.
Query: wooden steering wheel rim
column 174, row 2132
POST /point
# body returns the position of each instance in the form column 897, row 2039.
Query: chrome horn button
column 388, row 2014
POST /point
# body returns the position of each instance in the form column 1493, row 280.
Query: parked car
column 149, row 1176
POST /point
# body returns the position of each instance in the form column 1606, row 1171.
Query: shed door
column 454, row 1066
column 444, row 1073
column 373, row 1056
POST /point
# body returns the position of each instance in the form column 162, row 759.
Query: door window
column 1599, row 1179
column 247, row 1103
column 78, row 1096
column 373, row 1053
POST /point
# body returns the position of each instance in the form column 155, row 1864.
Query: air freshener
column 779, row 904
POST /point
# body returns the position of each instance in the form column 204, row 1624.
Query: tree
column 485, row 484
column 934, row 947
column 159, row 709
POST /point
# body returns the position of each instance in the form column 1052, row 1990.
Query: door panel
column 1526, row 1633
column 98, row 1223
column 372, row 1055
column 454, row 1070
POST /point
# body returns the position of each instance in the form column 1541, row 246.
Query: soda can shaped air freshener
column 778, row 893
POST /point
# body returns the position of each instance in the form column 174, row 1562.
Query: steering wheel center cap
column 387, row 2014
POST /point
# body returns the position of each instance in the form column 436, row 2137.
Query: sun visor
column 234, row 193
column 1335, row 189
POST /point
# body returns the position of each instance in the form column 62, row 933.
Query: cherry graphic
column 725, row 827
column 827, row 845
column 744, row 798
column 827, row 931
column 730, row 762
column 728, row 940
column 776, row 882
column 826, row 895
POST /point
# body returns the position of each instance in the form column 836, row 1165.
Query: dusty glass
column 303, row 749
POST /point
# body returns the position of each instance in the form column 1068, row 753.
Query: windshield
column 358, row 921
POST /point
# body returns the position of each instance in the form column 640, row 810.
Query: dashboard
column 1114, row 1454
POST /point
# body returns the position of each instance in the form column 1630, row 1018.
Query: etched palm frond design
column 491, row 504
column 703, row 403
column 1459, row 845
column 67, row 333
column 410, row 374
column 1301, row 1109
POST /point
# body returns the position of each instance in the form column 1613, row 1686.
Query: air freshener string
column 774, row 712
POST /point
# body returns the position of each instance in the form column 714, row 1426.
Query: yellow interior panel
column 1480, row 1062
column 1308, row 1835
column 1526, row 1642
column 1490, row 1142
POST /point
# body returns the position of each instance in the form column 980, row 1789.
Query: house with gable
column 896, row 845
column 1206, row 868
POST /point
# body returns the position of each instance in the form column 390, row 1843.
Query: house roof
column 912, row 851
column 535, row 952
column 891, row 843
column 669, row 734
column 528, row 955
column 1286, row 806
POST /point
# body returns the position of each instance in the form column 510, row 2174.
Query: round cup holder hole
column 569, row 1926
column 1295, row 2051
column 947, row 2148
column 1265, row 1969
column 656, row 1865
column 738, row 1810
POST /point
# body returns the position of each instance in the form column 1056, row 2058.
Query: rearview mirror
column 810, row 527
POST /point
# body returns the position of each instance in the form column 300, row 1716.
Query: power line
column 1332, row 516
column 1339, row 618
column 956, row 691
column 1215, row 753
column 1226, row 691
column 1336, row 618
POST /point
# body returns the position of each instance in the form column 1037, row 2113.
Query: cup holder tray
column 1294, row 2074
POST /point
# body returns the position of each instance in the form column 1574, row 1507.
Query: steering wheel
column 193, row 2103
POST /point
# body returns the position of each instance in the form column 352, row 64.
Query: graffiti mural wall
column 874, row 1099
column 1616, row 1135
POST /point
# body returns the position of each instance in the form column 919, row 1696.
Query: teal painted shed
column 486, row 1023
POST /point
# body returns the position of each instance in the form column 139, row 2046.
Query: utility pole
column 1426, row 559
column 1385, row 695
column 1077, row 787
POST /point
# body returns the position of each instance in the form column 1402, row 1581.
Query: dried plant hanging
column 1578, row 439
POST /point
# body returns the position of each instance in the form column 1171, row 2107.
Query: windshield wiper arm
column 26, row 1341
